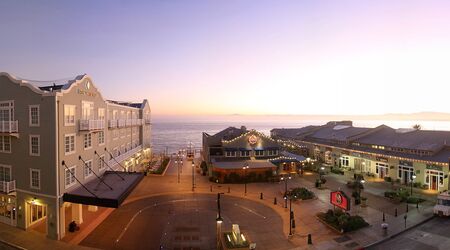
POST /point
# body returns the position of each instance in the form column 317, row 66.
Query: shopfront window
column 37, row 212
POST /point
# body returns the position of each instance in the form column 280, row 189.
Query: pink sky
column 240, row 57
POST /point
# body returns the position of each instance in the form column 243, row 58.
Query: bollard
column 384, row 218
column 275, row 200
column 228, row 189
column 396, row 212
column 417, row 205
column 309, row 239
column 407, row 207
column 293, row 223
column 261, row 196
column 405, row 217
column 210, row 188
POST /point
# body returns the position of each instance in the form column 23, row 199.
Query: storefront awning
column 114, row 189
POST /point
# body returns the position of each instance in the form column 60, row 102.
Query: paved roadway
column 186, row 222
column 432, row 235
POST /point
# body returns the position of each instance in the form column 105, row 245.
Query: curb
column 12, row 245
column 398, row 233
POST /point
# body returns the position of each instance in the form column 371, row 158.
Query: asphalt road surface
column 434, row 234
column 186, row 222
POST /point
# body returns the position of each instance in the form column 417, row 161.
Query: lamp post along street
column 245, row 179
column 219, row 221
column 413, row 177
column 193, row 178
column 285, row 189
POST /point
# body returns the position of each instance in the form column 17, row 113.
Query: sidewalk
column 373, row 214
column 21, row 239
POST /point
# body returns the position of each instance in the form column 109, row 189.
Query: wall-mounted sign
column 434, row 167
column 382, row 159
column 253, row 139
column 84, row 92
column 340, row 199
column 406, row 163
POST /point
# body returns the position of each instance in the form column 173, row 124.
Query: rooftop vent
column 404, row 130
column 339, row 127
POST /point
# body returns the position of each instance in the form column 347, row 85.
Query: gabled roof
column 337, row 133
column 293, row 133
column 417, row 139
column 226, row 134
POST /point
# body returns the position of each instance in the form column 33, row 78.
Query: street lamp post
column 291, row 216
column 245, row 178
column 413, row 178
column 285, row 189
column 193, row 176
column 219, row 221
column 178, row 167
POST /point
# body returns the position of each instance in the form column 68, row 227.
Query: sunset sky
column 239, row 57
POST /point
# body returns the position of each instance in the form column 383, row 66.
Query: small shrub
column 414, row 200
column 300, row 193
column 337, row 171
column 342, row 221
column 387, row 179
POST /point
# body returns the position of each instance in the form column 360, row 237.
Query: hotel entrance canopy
column 113, row 188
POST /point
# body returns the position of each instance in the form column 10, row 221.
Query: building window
column 34, row 115
column 87, row 141
column 101, row 162
column 101, row 137
column 34, row 145
column 37, row 212
column 230, row 153
column 35, row 178
column 69, row 144
column 5, row 144
column 5, row 173
column 87, row 110
column 101, row 114
column 245, row 153
column 345, row 162
column 70, row 176
column 87, row 168
column 259, row 152
column 69, row 115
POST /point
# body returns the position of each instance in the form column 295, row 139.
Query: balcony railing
column 122, row 157
column 136, row 122
column 9, row 126
column 92, row 125
column 129, row 122
column 7, row 186
column 112, row 123
column 148, row 121
column 121, row 123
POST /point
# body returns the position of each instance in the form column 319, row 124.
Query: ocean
column 175, row 135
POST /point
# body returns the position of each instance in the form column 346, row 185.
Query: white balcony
column 87, row 125
column 112, row 123
column 136, row 122
column 7, row 186
column 121, row 123
column 124, row 156
column 129, row 122
column 9, row 126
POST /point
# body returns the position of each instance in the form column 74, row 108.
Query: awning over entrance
column 120, row 186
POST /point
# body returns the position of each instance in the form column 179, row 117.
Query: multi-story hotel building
column 399, row 154
column 63, row 149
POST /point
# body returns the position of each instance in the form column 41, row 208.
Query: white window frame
column 85, row 136
column 71, row 177
column 30, row 116
column 87, row 110
column 101, row 114
column 10, row 171
column 74, row 144
column 85, row 167
column 31, row 145
column 259, row 152
column 101, row 164
column 230, row 153
column 31, row 178
column 67, row 122
column 103, row 141
column 2, row 144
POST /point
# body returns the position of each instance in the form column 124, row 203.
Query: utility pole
column 193, row 179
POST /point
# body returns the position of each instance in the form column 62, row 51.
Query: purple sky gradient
column 246, row 57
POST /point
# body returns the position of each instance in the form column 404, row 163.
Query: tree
column 417, row 126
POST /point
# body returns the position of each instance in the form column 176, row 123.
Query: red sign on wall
column 340, row 199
